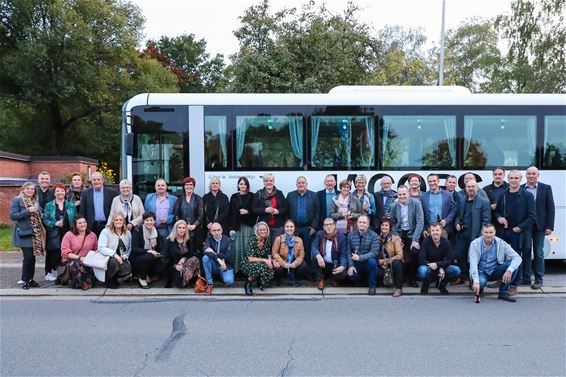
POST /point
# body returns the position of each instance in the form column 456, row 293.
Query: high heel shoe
column 143, row 286
column 248, row 288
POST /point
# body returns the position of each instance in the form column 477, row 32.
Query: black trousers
column 411, row 258
column 116, row 270
column 397, row 268
column 148, row 265
column 325, row 272
column 97, row 227
column 52, row 260
column 28, row 264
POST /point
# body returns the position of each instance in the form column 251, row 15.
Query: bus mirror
column 129, row 144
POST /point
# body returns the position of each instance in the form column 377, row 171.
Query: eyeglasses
column 328, row 224
column 216, row 230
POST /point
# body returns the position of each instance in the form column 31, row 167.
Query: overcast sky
column 215, row 20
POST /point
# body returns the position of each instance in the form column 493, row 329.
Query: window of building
column 342, row 141
column 491, row 141
column 418, row 141
column 269, row 142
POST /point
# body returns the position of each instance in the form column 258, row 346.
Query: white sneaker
column 21, row 282
column 50, row 277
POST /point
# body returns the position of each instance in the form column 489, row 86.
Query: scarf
column 127, row 206
column 329, row 237
column 290, row 241
column 148, row 237
column 39, row 234
column 266, row 197
column 342, row 204
column 384, row 241
column 389, row 198
column 74, row 195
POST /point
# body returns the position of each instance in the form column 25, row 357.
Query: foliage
column 6, row 238
column 188, row 60
column 66, row 67
column 108, row 174
column 536, row 58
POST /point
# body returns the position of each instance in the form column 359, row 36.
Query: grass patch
column 6, row 238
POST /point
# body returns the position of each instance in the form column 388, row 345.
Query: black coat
column 259, row 206
column 217, row 209
column 238, row 202
column 138, row 243
column 87, row 204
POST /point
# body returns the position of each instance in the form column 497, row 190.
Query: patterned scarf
column 39, row 234
column 390, row 196
column 290, row 241
column 127, row 206
column 384, row 240
column 266, row 197
column 329, row 237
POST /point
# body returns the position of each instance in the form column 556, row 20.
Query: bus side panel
column 196, row 150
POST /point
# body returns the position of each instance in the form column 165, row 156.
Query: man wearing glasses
column 329, row 253
column 218, row 258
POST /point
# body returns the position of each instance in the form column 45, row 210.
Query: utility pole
column 441, row 69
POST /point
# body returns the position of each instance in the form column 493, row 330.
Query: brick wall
column 14, row 168
column 58, row 169
column 7, row 193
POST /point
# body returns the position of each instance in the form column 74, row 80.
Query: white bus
column 376, row 131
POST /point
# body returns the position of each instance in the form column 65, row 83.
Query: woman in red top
column 270, row 206
column 75, row 246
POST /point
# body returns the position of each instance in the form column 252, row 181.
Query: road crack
column 178, row 331
column 284, row 372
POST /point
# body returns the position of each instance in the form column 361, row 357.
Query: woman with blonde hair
column 257, row 263
column 115, row 241
column 181, row 260
column 128, row 204
column 216, row 205
column 29, row 234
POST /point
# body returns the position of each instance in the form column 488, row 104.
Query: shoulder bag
column 388, row 276
column 96, row 260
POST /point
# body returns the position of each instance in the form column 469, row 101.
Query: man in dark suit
column 544, row 225
column 438, row 206
column 96, row 202
column 383, row 200
column 304, row 211
column 44, row 193
column 472, row 212
column 325, row 197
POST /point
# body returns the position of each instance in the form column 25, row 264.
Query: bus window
column 491, row 141
column 264, row 142
column 554, row 142
column 342, row 141
column 215, row 143
column 418, row 141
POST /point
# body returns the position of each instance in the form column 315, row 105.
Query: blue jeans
column 496, row 275
column 451, row 272
column 368, row 268
column 538, row 261
column 514, row 239
column 211, row 267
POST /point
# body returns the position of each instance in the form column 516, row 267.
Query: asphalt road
column 354, row 336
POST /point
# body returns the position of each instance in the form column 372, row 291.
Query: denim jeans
column 451, row 272
column 496, row 275
column 538, row 261
column 514, row 239
column 368, row 268
column 211, row 268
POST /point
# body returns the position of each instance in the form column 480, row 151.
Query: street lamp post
column 441, row 69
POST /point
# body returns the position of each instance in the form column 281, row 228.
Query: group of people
column 341, row 234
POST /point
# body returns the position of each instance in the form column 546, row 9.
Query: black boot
column 248, row 288
column 442, row 287
column 424, row 287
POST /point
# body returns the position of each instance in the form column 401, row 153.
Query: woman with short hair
column 128, row 204
column 29, row 234
column 75, row 190
column 75, row 246
column 345, row 208
column 257, row 263
column 414, row 186
column 146, row 257
column 115, row 241
column 57, row 218
column 181, row 260
column 270, row 206
column 366, row 199
column 190, row 207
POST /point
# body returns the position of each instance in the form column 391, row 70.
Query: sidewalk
column 10, row 271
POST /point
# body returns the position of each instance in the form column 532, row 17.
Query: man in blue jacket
column 363, row 247
column 516, row 213
column 325, row 197
column 162, row 204
column 438, row 206
column 543, row 226
column 329, row 254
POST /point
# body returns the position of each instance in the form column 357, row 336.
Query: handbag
column 64, row 272
column 96, row 260
column 28, row 232
column 200, row 284
column 388, row 276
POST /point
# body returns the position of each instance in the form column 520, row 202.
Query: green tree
column 187, row 59
column 535, row 61
column 472, row 57
column 307, row 51
column 66, row 67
